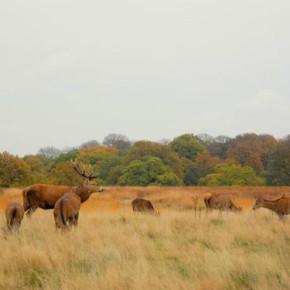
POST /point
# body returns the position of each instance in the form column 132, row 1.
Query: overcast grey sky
column 71, row 71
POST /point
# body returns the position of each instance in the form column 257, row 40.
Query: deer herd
column 66, row 202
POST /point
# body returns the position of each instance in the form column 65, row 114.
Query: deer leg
column 9, row 224
column 30, row 211
column 76, row 219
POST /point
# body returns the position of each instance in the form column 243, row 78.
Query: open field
column 119, row 198
column 114, row 249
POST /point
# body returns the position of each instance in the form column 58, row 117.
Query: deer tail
column 25, row 199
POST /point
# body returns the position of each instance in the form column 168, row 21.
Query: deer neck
column 269, row 204
column 83, row 192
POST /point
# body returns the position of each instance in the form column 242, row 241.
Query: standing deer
column 14, row 214
column 45, row 195
column 66, row 211
column 281, row 205
column 143, row 205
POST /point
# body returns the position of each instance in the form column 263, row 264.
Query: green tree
column 67, row 156
column 187, row 146
column 110, row 169
column 143, row 149
column 232, row 174
column 203, row 165
column 278, row 169
column 148, row 171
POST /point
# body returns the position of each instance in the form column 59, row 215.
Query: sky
column 73, row 71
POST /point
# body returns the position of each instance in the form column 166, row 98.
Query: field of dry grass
column 114, row 249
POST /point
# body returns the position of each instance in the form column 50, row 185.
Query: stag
column 66, row 211
column 14, row 214
column 280, row 205
column 46, row 195
column 220, row 202
column 143, row 205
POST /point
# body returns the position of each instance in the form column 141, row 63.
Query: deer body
column 280, row 206
column 45, row 196
column 14, row 214
column 220, row 202
column 143, row 205
column 66, row 210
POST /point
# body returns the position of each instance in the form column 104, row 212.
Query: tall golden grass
column 114, row 249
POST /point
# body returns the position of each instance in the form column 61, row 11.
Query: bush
column 148, row 171
column 169, row 178
column 232, row 174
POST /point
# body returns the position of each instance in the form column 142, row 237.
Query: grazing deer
column 220, row 202
column 281, row 205
column 143, row 205
column 14, row 214
column 66, row 211
column 45, row 195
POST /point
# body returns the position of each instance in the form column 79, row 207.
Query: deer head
column 89, row 185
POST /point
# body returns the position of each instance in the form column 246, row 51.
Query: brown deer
column 220, row 202
column 45, row 195
column 14, row 214
column 66, row 211
column 143, row 205
column 281, row 205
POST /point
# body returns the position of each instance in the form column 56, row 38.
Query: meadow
column 112, row 248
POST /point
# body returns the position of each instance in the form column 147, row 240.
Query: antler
column 82, row 172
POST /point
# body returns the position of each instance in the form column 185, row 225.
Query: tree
column 278, row 165
column 252, row 150
column 110, row 169
column 204, row 164
column 49, row 152
column 120, row 142
column 232, row 174
column 94, row 155
column 89, row 144
column 148, row 171
column 219, row 146
column 67, row 156
column 144, row 149
column 13, row 171
column 187, row 146
column 205, row 138
column 38, row 168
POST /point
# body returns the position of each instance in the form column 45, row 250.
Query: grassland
column 114, row 249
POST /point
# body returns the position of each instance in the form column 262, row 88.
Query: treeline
column 247, row 159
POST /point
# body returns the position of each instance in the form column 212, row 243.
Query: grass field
column 114, row 249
